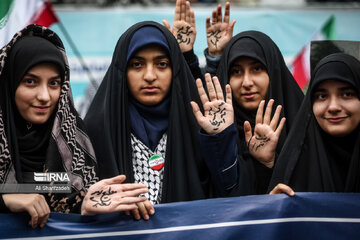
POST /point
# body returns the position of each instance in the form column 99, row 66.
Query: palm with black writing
column 112, row 195
column 184, row 28
column 262, row 145
column 219, row 32
column 218, row 113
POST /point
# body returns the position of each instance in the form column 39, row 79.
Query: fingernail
column 146, row 217
column 152, row 211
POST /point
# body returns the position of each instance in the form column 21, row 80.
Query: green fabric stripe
column 4, row 7
column 5, row 10
column 329, row 29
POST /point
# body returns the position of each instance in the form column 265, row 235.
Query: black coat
column 109, row 127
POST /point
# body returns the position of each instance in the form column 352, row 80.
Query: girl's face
column 149, row 75
column 336, row 107
column 249, row 82
column 38, row 93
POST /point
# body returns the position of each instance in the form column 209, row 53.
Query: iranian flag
column 17, row 14
column 301, row 64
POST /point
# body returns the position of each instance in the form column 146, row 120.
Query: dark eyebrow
column 35, row 76
column 161, row 57
column 346, row 88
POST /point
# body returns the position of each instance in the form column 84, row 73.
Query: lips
column 335, row 119
column 150, row 89
column 41, row 108
column 248, row 95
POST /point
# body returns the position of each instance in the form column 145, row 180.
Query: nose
column 43, row 94
column 334, row 105
column 150, row 74
column 247, row 82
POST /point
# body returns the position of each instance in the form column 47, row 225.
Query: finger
column 219, row 14
column 192, row 19
column 136, row 214
column 143, row 211
column 197, row 113
column 188, row 12
column 214, row 17
column 150, row 208
column 227, row 12
column 134, row 193
column 115, row 180
column 210, row 87
column 183, row 10
column 131, row 200
column 208, row 24
column 127, row 208
column 166, row 24
column 230, row 29
column 282, row 188
column 276, row 117
column 267, row 116
column 247, row 132
column 177, row 14
column 228, row 94
column 202, row 94
column 130, row 186
column 45, row 212
column 280, row 127
column 218, row 90
column 259, row 113
column 34, row 216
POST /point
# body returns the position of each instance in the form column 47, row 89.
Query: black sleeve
column 193, row 63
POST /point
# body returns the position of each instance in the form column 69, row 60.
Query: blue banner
column 305, row 216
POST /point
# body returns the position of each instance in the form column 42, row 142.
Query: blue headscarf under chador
column 148, row 123
column 145, row 36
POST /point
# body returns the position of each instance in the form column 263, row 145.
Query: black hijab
column 282, row 88
column 32, row 140
column 109, row 126
column 59, row 145
column 148, row 123
column 312, row 160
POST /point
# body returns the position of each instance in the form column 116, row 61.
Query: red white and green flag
column 17, row 14
column 301, row 64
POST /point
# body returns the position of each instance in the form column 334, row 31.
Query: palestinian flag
column 301, row 64
column 17, row 14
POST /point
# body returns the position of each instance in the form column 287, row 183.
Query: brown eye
column 29, row 81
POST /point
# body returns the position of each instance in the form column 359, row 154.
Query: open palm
column 218, row 112
column 262, row 144
column 218, row 32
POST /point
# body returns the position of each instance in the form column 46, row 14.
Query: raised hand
column 112, row 195
column 184, row 28
column 218, row 32
column 34, row 204
column 262, row 145
column 218, row 113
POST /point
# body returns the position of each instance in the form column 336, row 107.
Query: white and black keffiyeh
column 69, row 148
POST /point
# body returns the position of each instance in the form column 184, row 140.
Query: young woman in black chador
column 40, row 131
column 140, row 121
column 242, row 161
column 321, row 153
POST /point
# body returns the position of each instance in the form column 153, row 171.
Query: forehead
column 41, row 67
column 332, row 84
column 152, row 49
column 244, row 61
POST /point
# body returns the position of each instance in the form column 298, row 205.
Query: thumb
column 166, row 24
column 115, row 180
column 247, row 132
